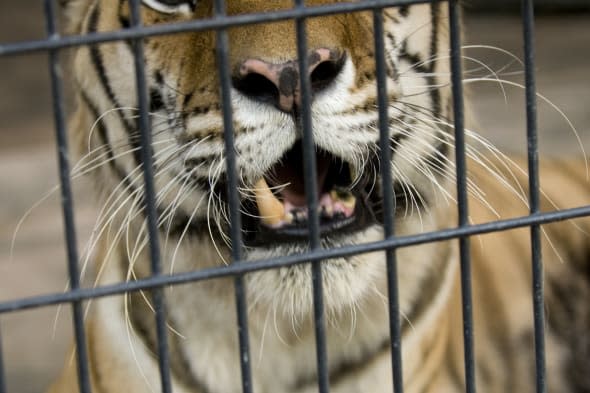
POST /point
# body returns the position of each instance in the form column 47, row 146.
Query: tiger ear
column 74, row 12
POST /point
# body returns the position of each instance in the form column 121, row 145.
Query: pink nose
column 280, row 84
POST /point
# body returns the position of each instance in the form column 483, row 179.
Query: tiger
column 192, row 206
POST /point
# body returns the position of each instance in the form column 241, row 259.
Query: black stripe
column 392, row 70
column 434, row 93
column 569, row 317
column 413, row 58
column 441, row 149
column 391, row 17
column 98, row 62
column 156, row 101
column 125, row 23
column 430, row 67
column 346, row 368
column 181, row 219
column 186, row 100
column 104, row 139
column 143, row 326
column 431, row 286
column 440, row 154
column 159, row 78
column 183, row 222
column 97, row 385
column 123, row 20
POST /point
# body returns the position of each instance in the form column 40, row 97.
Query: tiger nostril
column 257, row 87
column 260, row 81
column 325, row 73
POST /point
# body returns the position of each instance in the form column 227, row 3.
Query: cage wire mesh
column 220, row 22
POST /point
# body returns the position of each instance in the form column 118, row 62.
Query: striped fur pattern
column 190, row 178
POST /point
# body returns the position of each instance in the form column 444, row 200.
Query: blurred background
column 32, row 259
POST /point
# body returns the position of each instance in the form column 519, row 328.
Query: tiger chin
column 192, row 207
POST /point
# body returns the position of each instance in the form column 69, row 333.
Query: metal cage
column 54, row 43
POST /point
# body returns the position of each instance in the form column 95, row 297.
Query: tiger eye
column 171, row 6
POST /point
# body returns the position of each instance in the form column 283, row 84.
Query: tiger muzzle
column 280, row 84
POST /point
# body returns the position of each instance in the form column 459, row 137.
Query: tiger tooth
column 346, row 199
column 288, row 218
column 270, row 208
column 349, row 202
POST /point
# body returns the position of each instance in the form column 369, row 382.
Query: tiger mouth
column 278, row 211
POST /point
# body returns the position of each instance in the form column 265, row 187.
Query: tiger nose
column 280, row 84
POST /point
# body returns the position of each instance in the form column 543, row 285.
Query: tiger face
column 188, row 149
column 187, row 129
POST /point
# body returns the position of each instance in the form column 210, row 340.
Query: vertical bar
column 388, row 202
column 460, row 159
column 311, row 194
column 66, row 198
column 222, row 50
column 533, row 167
column 150, row 200
column 2, row 377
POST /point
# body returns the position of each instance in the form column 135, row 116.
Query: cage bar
column 150, row 201
column 534, row 191
column 289, row 260
column 222, row 49
column 388, row 202
column 2, row 375
column 311, row 194
column 67, row 198
column 462, row 197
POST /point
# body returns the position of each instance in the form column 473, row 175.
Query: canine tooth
column 299, row 215
column 341, row 195
column 350, row 202
column 289, row 218
column 345, row 198
column 270, row 208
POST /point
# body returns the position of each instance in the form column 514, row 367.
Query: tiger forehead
column 204, row 9
column 272, row 42
column 188, row 60
column 277, row 40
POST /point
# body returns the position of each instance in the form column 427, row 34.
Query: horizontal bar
column 253, row 266
column 2, row 375
column 218, row 22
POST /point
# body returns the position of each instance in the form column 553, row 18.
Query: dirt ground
column 34, row 342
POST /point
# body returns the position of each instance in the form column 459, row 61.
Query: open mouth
column 278, row 211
